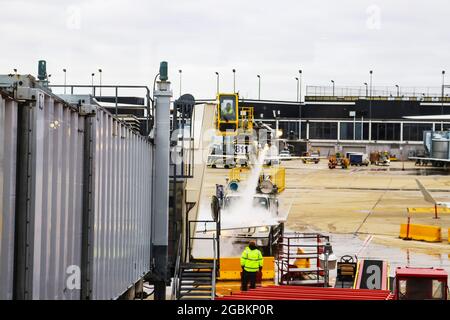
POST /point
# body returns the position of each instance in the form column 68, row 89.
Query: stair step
column 196, row 278
column 194, row 274
column 197, row 266
column 195, row 282
column 191, row 289
column 196, row 294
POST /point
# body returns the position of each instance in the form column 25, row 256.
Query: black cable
column 154, row 85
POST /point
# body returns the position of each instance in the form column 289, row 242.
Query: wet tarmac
column 350, row 244
column 372, row 201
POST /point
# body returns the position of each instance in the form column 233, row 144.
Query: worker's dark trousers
column 246, row 278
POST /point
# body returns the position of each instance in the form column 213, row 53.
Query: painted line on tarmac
column 374, row 206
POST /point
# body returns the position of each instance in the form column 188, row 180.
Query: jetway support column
column 161, row 185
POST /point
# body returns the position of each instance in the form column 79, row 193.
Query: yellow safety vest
column 251, row 260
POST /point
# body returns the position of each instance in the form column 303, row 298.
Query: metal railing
column 215, row 238
column 286, row 270
column 377, row 91
column 115, row 99
column 176, row 276
column 214, row 272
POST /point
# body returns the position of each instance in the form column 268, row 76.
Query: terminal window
column 323, row 130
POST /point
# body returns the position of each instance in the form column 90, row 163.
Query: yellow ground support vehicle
column 230, row 120
column 227, row 114
column 276, row 175
column 269, row 226
column 337, row 161
column 246, row 119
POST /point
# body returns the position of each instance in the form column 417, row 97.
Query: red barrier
column 308, row 293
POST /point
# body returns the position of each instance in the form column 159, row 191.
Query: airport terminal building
column 352, row 119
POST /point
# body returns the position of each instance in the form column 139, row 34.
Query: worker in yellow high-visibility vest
column 251, row 263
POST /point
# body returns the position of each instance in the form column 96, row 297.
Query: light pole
column 65, row 73
column 100, row 72
column 398, row 90
column 365, row 83
column 234, row 80
column 297, row 88
column 180, row 72
column 300, row 94
column 442, row 98
column 259, row 87
column 370, row 107
column 92, row 83
column 332, row 81
column 217, row 74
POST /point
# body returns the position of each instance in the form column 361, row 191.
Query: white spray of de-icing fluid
column 246, row 200
column 243, row 212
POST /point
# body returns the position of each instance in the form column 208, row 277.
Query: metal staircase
column 196, row 278
column 197, row 281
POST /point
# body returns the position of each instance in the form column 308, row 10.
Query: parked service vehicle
column 311, row 157
column 380, row 158
column 271, row 161
column 358, row 159
column 215, row 161
column 420, row 284
column 337, row 161
column 285, row 155
column 242, row 161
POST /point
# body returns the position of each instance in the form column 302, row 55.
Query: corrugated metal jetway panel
column 8, row 153
column 122, row 227
column 56, row 198
column 43, row 232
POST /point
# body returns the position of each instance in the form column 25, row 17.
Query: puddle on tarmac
column 343, row 244
column 397, row 257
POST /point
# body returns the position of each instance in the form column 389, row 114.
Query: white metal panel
column 122, row 224
column 56, row 197
column 8, row 154
column 55, row 163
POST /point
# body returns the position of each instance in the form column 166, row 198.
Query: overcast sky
column 405, row 42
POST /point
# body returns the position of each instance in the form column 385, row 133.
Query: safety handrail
column 216, row 248
column 213, row 281
column 293, row 240
column 176, row 282
column 215, row 237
